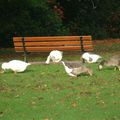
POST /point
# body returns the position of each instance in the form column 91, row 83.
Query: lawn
column 46, row 92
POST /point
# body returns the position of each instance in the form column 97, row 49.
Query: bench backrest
column 46, row 44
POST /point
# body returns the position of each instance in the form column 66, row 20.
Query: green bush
column 101, row 19
column 28, row 18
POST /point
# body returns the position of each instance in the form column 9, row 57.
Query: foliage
column 99, row 18
column 28, row 18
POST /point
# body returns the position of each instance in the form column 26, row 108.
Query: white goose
column 77, row 70
column 55, row 56
column 90, row 57
column 15, row 65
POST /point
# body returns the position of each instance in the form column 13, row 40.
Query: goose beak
column 100, row 67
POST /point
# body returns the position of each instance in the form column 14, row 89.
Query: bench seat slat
column 47, row 43
column 48, row 48
column 57, row 38
column 52, row 43
column 38, row 49
column 86, row 38
column 87, row 43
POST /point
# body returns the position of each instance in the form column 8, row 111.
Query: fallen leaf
column 46, row 119
column 1, row 114
column 74, row 104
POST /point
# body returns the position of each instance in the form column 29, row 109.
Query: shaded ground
column 106, row 41
column 7, row 54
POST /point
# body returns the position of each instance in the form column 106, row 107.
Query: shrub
column 28, row 18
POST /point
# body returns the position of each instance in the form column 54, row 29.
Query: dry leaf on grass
column 74, row 104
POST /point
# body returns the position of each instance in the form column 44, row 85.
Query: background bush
column 98, row 18
column 28, row 18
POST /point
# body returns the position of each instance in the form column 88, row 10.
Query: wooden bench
column 49, row 43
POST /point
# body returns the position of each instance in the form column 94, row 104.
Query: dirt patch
column 106, row 41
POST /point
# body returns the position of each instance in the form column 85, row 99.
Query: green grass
column 46, row 92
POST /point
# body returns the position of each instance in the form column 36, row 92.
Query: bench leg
column 25, row 57
column 24, row 48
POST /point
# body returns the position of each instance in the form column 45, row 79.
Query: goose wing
column 73, row 64
column 77, row 71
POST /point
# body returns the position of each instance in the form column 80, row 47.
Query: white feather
column 55, row 56
column 15, row 65
column 90, row 57
column 68, row 70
